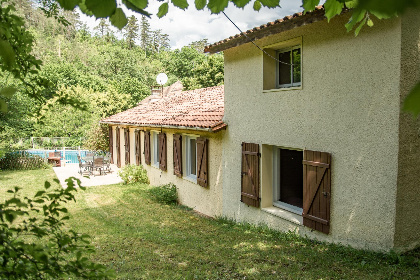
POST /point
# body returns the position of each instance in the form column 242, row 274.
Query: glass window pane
column 284, row 69
column 193, row 156
column 296, row 66
column 291, row 177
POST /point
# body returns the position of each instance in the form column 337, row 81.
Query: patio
column 72, row 170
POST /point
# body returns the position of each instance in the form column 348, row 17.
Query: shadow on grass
column 143, row 239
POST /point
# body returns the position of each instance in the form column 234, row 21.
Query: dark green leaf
column 7, row 54
column 216, row 6
column 309, row 5
column 8, row 91
column 47, row 185
column 257, row 5
column 351, row 4
column 133, row 7
column 200, row 4
column 68, row 4
column 356, row 32
column 240, row 3
column 387, row 7
column 332, row 8
column 270, row 3
column 163, row 10
column 356, row 17
column 84, row 9
column 182, row 4
column 141, row 4
column 101, row 8
column 3, row 106
column 39, row 193
column 118, row 19
column 412, row 101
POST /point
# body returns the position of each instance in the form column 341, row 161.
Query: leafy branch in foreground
column 35, row 242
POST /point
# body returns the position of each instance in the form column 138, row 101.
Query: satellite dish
column 161, row 79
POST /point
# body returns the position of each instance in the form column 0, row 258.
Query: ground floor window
column 191, row 156
column 288, row 179
column 155, row 148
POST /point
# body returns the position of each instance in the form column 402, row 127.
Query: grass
column 142, row 239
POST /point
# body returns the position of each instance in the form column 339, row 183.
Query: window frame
column 187, row 173
column 292, row 84
column 276, row 182
column 155, row 148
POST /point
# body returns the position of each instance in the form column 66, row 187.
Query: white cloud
column 184, row 27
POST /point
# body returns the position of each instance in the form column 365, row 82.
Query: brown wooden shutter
column 202, row 162
column 127, row 146
column 138, row 147
column 250, row 182
column 162, row 152
column 316, row 190
column 178, row 155
column 111, row 145
column 117, row 131
column 147, row 158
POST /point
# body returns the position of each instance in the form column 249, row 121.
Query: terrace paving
column 72, row 170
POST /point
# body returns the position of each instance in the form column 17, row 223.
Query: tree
column 145, row 33
column 131, row 31
column 102, row 28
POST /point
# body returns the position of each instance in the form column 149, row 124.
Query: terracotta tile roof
column 200, row 108
column 270, row 28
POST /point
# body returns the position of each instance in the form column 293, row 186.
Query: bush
column 133, row 173
column 36, row 243
column 166, row 194
column 21, row 161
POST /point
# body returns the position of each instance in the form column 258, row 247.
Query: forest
column 106, row 71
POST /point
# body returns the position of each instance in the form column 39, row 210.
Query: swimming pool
column 70, row 155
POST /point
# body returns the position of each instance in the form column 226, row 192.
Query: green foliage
column 36, row 242
column 16, row 160
column 133, row 173
column 166, row 194
column 97, row 138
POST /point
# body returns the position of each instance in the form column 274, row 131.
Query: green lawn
column 142, row 239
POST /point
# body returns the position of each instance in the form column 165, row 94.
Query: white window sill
column 284, row 214
column 274, row 90
column 192, row 179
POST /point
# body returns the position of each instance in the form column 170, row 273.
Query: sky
column 184, row 27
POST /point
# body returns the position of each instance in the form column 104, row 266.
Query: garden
column 140, row 232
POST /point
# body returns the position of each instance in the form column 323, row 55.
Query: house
column 176, row 135
column 316, row 141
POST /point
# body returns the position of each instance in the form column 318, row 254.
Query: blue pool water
column 71, row 155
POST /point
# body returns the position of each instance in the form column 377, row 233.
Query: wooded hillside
column 106, row 71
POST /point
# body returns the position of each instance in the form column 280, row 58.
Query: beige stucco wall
column 407, row 234
column 348, row 106
column 204, row 200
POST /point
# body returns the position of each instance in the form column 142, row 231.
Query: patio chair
column 83, row 166
column 107, row 163
column 98, row 164
column 54, row 158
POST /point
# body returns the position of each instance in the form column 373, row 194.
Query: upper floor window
column 289, row 72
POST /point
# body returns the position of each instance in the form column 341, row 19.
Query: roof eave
column 214, row 128
column 267, row 30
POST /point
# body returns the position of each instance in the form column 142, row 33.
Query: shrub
column 21, row 161
column 36, row 243
column 133, row 173
column 166, row 194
